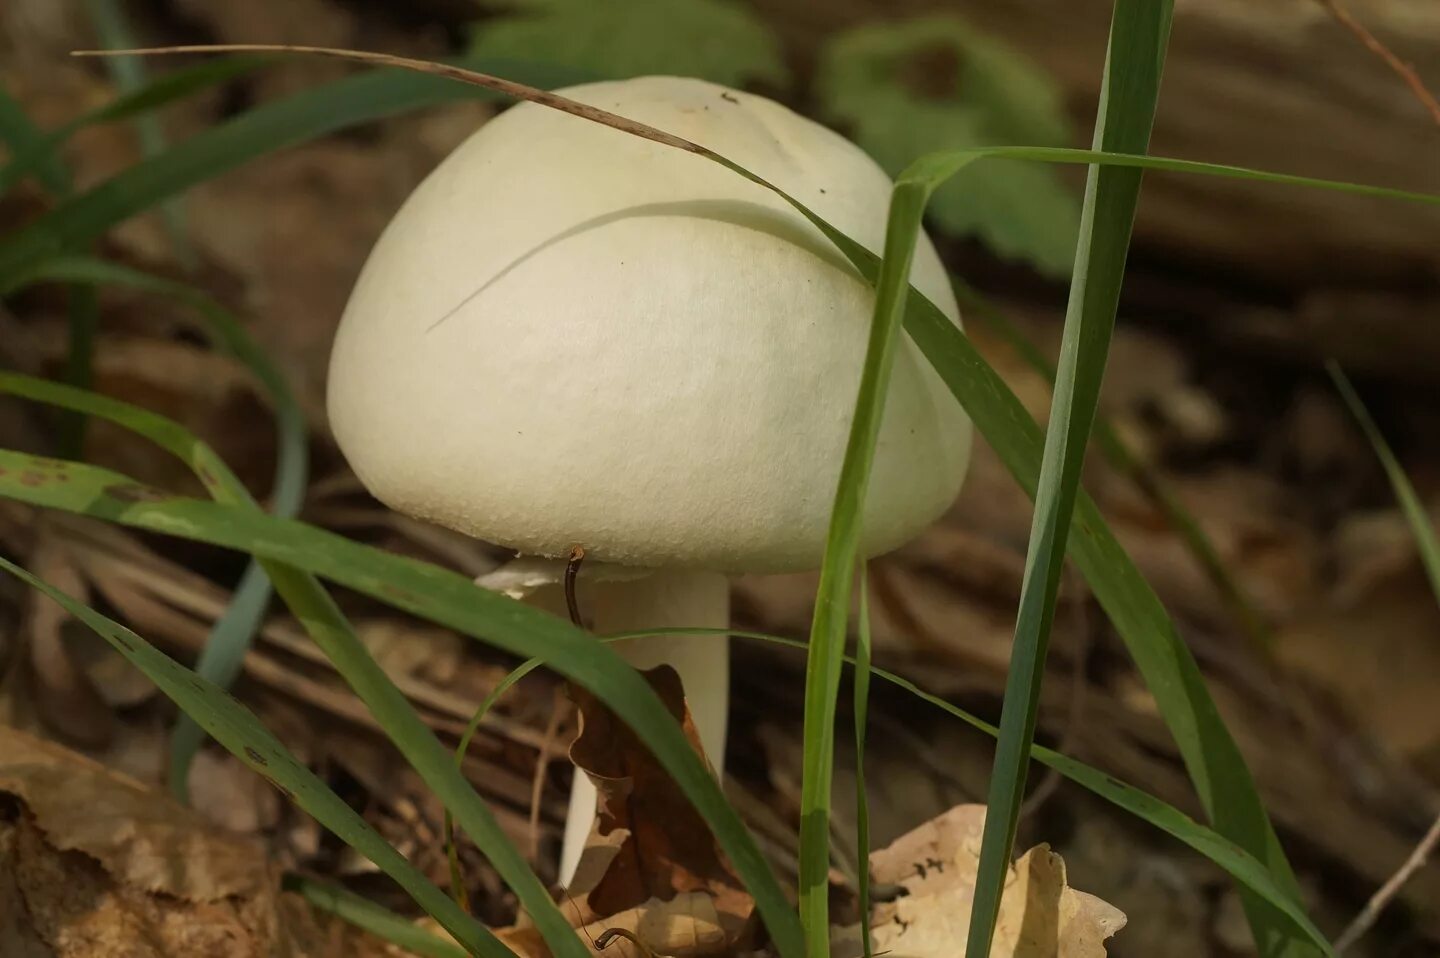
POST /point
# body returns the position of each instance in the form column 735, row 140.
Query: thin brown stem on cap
column 1406, row 71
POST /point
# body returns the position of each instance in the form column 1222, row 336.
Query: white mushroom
column 570, row 335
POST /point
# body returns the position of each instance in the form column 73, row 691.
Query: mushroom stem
column 664, row 598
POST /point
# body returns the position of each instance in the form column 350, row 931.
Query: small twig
column 542, row 764
column 1390, row 889
column 1405, row 71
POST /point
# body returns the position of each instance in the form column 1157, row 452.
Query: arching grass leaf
column 235, row 727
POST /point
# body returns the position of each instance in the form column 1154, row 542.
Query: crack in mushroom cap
column 572, row 335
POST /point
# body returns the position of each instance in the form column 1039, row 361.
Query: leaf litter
column 95, row 865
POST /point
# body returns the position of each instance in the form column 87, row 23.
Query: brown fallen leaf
column 686, row 926
column 64, row 695
column 1040, row 915
column 660, row 858
column 94, row 865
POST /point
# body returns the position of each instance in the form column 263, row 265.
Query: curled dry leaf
column 664, row 878
column 94, row 865
column 1040, row 915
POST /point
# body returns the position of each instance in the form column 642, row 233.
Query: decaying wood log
column 1275, row 84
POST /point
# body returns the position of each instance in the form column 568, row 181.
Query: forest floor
column 1334, row 706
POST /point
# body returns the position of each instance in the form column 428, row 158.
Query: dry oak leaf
column 659, row 855
column 686, row 926
column 1040, row 915
column 94, row 865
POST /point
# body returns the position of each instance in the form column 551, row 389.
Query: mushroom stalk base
column 665, row 598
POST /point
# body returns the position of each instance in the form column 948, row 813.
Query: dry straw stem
column 1390, row 889
column 1422, row 852
column 509, row 88
column 1406, row 71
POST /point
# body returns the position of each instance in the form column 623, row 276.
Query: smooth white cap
column 570, row 335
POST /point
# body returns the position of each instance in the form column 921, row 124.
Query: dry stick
column 1405, row 71
column 510, row 88
column 1390, row 889
column 1421, row 854
column 542, row 764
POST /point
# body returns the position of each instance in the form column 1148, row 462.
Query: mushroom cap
column 571, row 335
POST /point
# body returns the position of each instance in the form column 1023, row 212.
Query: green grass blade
column 20, row 134
column 1119, row 454
column 164, row 89
column 224, row 650
column 457, row 882
column 1229, row 856
column 1422, row 529
column 444, row 597
column 832, row 601
column 1223, row 852
column 862, row 796
column 379, row 921
column 1416, row 515
column 241, row 733
column 82, row 316
column 1130, row 91
column 257, row 132
column 322, row 618
column 1113, row 156
column 1210, row 754
column 82, row 309
column 1212, row 759
column 128, row 74
column 220, row 660
column 450, row 599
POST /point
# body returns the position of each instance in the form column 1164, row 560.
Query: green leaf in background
column 166, row 88
column 23, row 138
column 935, row 83
column 128, row 74
column 718, row 40
column 242, row 734
column 254, row 133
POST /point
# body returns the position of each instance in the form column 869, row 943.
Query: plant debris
column 95, row 865
column 933, row 870
column 652, row 867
